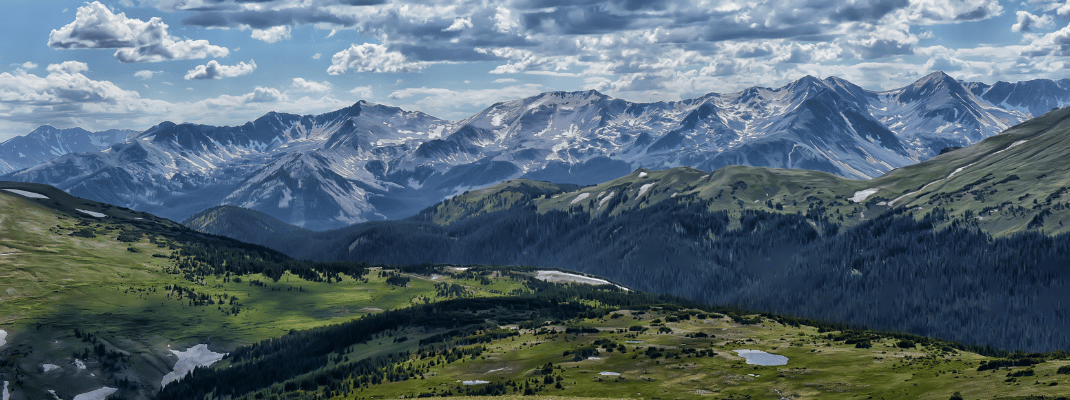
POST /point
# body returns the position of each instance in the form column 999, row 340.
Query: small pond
column 758, row 357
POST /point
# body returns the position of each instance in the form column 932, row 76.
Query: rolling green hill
column 116, row 290
column 599, row 342
column 97, row 297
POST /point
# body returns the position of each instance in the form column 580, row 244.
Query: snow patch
column 495, row 370
column 196, row 356
column 49, row 367
column 78, row 363
column 604, row 199
column 861, row 195
column 3, row 337
column 643, row 189
column 580, row 198
column 91, row 213
column 609, row 373
column 99, row 394
column 7, row 395
column 557, row 276
column 642, row 175
column 24, row 193
column 477, row 382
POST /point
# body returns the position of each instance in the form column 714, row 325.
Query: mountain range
column 373, row 162
column 47, row 143
column 969, row 245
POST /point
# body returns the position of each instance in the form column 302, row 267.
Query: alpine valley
column 815, row 241
column 373, row 162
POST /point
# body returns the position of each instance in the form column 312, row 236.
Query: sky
column 131, row 64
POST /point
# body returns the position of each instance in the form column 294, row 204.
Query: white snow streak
column 99, row 394
column 643, row 189
column 24, row 193
column 580, row 198
column 91, row 213
column 861, row 195
column 196, row 356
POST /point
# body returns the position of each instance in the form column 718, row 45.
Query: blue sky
column 134, row 63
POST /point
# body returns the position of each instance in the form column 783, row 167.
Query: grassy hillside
column 609, row 344
column 72, row 281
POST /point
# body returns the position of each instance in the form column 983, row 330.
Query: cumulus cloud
column 1027, row 21
column 304, row 85
column 273, row 34
column 370, row 57
column 363, row 92
column 97, row 27
column 145, row 74
column 1053, row 44
column 28, row 65
column 459, row 24
column 215, row 70
column 66, row 96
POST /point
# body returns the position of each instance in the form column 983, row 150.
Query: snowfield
column 24, row 193
column 91, row 213
column 557, row 276
column 196, row 356
column 99, row 394
column 643, row 190
column 3, row 337
column 862, row 195
column 49, row 367
column 580, row 198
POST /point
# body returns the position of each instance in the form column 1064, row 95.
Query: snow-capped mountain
column 370, row 162
column 46, row 143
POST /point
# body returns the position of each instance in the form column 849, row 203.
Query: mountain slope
column 939, row 236
column 94, row 297
column 370, row 162
column 47, row 143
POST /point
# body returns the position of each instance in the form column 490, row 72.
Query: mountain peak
column 935, row 78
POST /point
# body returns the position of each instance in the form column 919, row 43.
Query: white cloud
column 265, row 95
column 503, row 20
column 1054, row 44
column 363, row 92
column 459, row 24
column 144, row 74
column 317, row 56
column 1027, row 21
column 67, row 97
column 215, row 70
column 931, row 12
column 370, row 57
column 273, row 34
column 303, row 85
column 28, row 65
column 97, row 27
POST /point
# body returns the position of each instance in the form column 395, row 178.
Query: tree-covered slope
column 600, row 342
